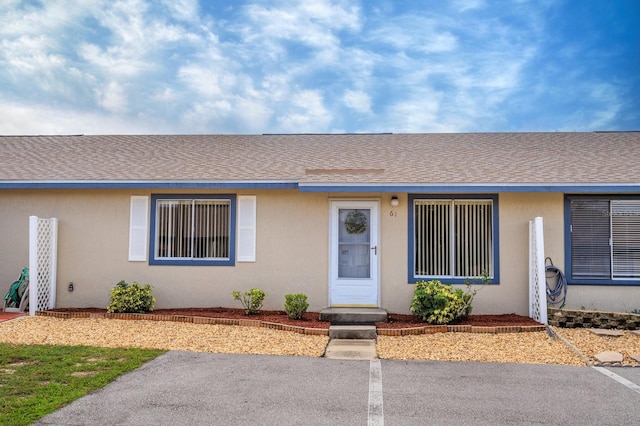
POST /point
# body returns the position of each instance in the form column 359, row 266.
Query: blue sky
column 318, row 66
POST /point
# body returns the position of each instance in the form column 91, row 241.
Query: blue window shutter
column 247, row 228
column 138, row 220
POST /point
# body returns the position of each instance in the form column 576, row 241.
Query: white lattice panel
column 43, row 240
column 534, row 283
column 537, row 278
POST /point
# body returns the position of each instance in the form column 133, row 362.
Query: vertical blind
column 453, row 238
column 605, row 238
column 189, row 229
column 625, row 238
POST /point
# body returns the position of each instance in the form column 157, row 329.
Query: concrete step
column 351, row 349
column 352, row 332
column 353, row 315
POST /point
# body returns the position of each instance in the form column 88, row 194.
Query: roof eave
column 139, row 184
column 472, row 188
column 593, row 188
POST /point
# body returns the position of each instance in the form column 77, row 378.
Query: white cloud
column 186, row 10
column 112, row 97
column 415, row 114
column 308, row 115
column 168, row 94
column 598, row 108
column 464, row 5
column 20, row 18
column 312, row 24
column 358, row 101
column 239, row 115
column 276, row 87
column 112, row 62
column 31, row 55
column 29, row 119
column 254, row 115
column 415, row 33
column 298, row 66
column 201, row 115
column 208, row 82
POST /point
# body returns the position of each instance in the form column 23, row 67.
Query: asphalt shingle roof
column 611, row 158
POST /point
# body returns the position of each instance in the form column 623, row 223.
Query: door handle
column 375, row 250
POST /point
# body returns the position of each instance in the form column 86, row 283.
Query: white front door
column 354, row 253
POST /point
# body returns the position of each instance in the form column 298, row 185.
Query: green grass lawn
column 37, row 380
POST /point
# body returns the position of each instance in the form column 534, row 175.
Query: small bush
column 295, row 305
column 251, row 300
column 132, row 298
column 437, row 303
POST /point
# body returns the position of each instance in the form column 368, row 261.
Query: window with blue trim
column 193, row 229
column 452, row 238
column 604, row 239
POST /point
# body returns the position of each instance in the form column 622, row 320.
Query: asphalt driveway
column 187, row 388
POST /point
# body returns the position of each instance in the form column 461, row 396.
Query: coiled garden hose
column 556, row 284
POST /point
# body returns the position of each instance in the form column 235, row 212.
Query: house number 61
column 393, row 213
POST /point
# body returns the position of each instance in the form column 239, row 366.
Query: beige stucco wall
column 511, row 292
column 292, row 251
column 516, row 210
column 93, row 250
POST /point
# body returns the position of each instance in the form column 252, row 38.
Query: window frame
column 624, row 281
column 412, row 278
column 153, row 260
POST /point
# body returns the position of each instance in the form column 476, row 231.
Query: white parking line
column 375, row 412
column 618, row 379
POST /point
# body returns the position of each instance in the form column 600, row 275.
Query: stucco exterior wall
column 292, row 251
column 511, row 293
column 516, row 210
column 396, row 293
column 603, row 298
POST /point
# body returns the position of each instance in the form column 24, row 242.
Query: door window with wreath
column 354, row 243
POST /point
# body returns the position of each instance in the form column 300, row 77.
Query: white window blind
column 625, row 238
column 474, row 238
column 590, row 233
column 247, row 228
column 433, row 249
column 605, row 238
column 192, row 229
column 138, row 218
column 453, row 238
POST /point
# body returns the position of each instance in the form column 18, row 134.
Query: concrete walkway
column 354, row 349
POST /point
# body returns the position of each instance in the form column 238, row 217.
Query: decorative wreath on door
column 356, row 222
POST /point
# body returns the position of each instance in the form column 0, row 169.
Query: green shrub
column 437, row 303
column 132, row 298
column 295, row 305
column 251, row 300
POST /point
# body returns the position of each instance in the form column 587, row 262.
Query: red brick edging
column 430, row 329
column 427, row 329
column 188, row 319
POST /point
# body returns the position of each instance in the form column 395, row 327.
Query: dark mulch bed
column 311, row 319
